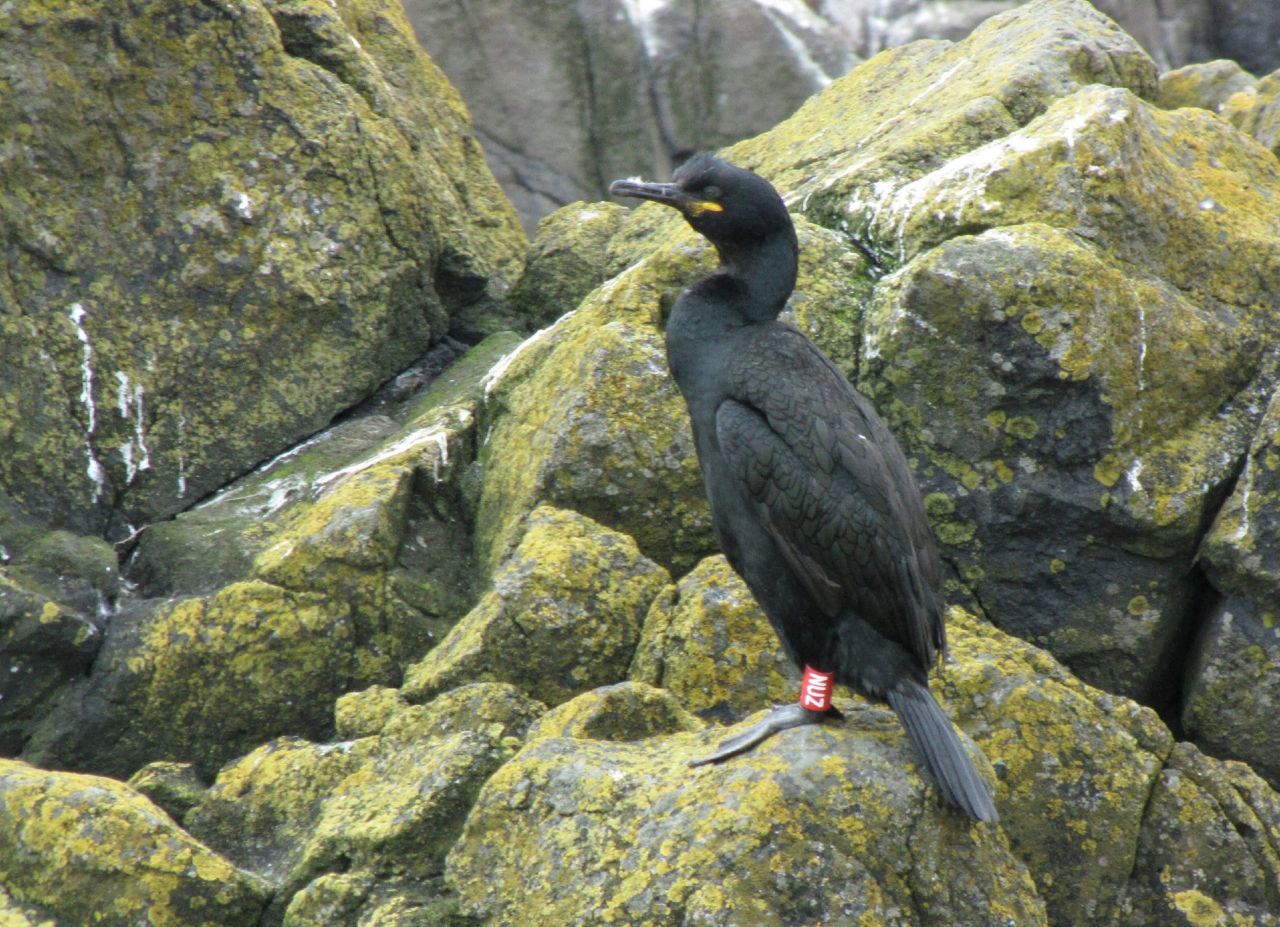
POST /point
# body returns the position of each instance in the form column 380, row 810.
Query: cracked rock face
column 222, row 225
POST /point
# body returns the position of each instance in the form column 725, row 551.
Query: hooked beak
column 668, row 194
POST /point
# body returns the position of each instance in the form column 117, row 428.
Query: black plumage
column 812, row 498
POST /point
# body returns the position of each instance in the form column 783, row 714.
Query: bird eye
column 711, row 192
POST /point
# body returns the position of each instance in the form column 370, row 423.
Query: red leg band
column 815, row 689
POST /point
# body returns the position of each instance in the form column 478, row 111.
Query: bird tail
column 936, row 740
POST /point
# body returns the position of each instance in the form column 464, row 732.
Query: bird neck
column 767, row 268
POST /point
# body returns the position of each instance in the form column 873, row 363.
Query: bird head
column 727, row 204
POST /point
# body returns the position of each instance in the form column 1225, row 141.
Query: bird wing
column 834, row 491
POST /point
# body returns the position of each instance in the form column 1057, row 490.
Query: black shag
column 812, row 498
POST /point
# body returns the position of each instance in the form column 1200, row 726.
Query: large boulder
column 220, row 227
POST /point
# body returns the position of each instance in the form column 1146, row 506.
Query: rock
column 1256, row 111
column 1231, row 704
column 568, row 258
column 807, row 826
column 1061, row 750
column 1208, row 85
column 57, row 590
column 202, row 680
column 583, row 415
column 1249, row 32
column 1171, row 34
column 707, row 642
column 626, row 711
column 1206, row 816
column 206, row 277
column 90, row 850
column 366, row 713
column 175, row 787
column 338, row 827
column 563, row 616
column 329, row 570
column 568, row 97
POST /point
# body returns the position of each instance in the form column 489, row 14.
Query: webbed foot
column 781, row 718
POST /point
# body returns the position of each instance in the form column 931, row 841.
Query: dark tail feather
column 936, row 740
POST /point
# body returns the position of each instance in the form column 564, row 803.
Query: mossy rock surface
column 568, row 258
column 1256, row 111
column 580, row 832
column 584, row 415
column 1207, row 84
column 1208, row 852
column 625, row 711
column 563, row 616
column 224, row 225
column 90, row 850
column 1232, row 700
column 348, row 827
column 707, row 642
column 331, row 569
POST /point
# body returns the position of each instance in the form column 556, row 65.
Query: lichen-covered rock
column 626, row 711
column 204, row 679
column 224, row 225
column 175, row 787
column 1231, row 705
column 568, row 258
column 1256, row 111
column 808, row 827
column 707, row 642
column 328, row 570
column 89, row 850
column 563, row 616
column 366, row 712
column 584, row 415
column 346, row 826
column 1061, row 751
column 56, row 592
column 13, row 914
column 1208, row 852
column 1207, row 85
column 909, row 110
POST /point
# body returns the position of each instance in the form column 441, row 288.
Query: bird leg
column 779, row 719
column 815, row 701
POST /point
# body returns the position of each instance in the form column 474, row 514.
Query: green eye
column 711, row 192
